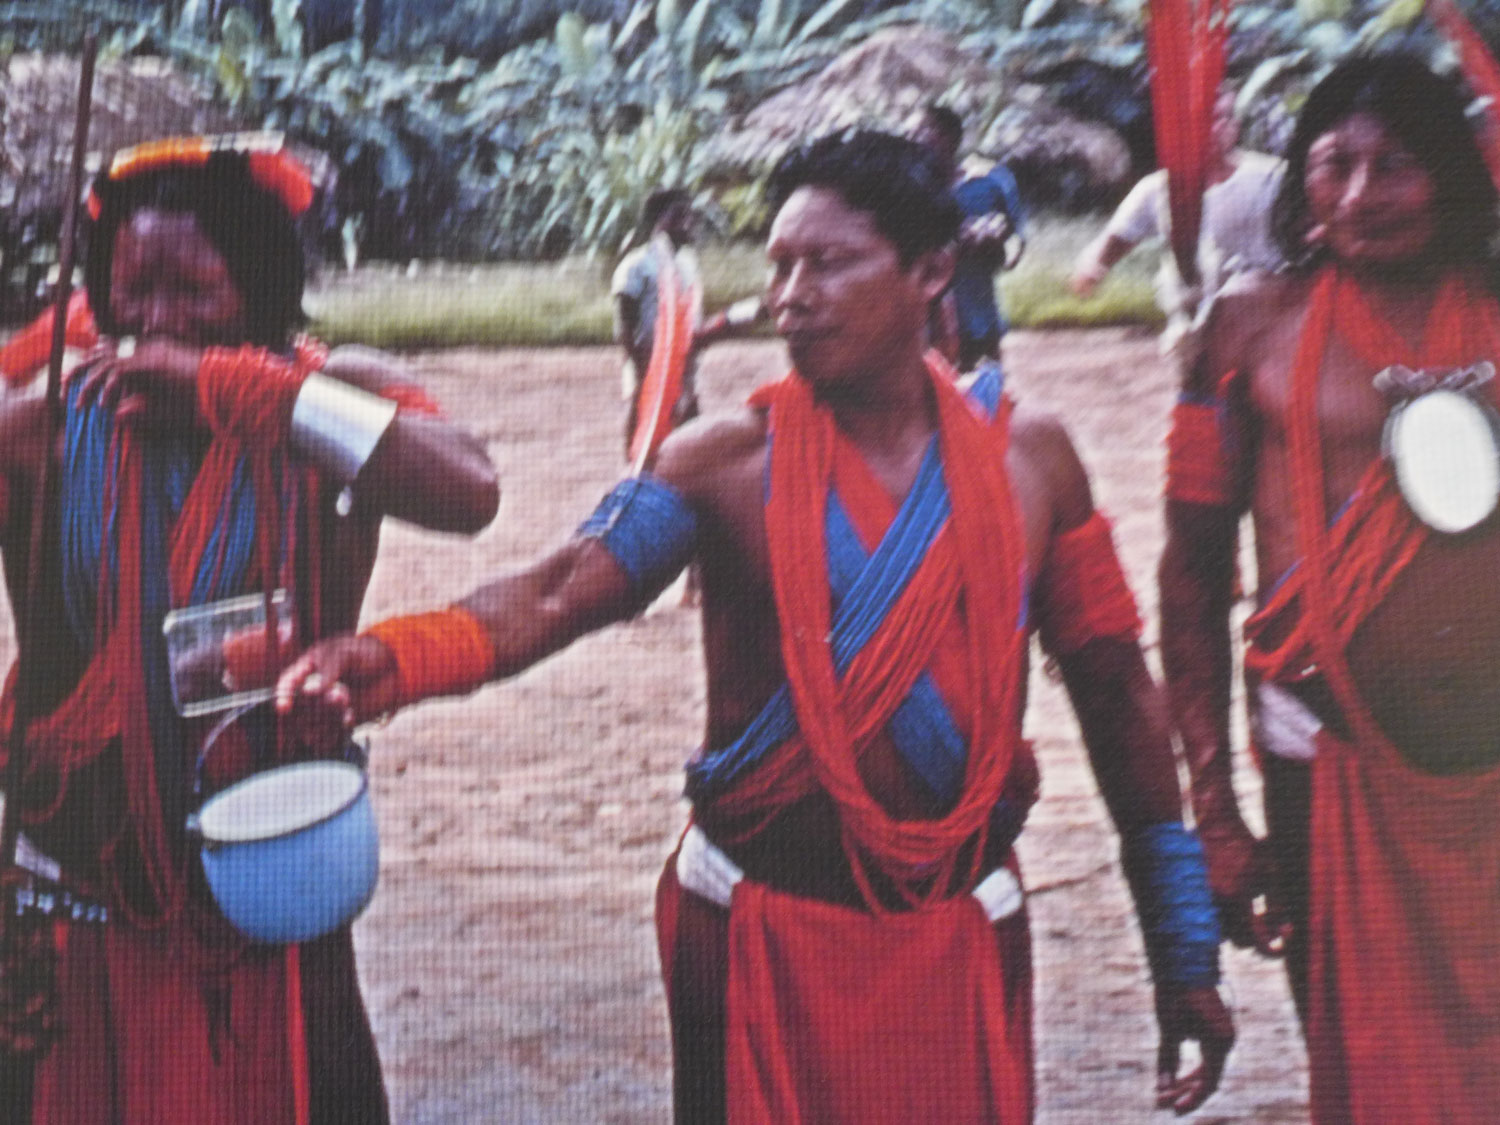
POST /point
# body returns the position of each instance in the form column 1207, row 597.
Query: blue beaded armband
column 1169, row 879
column 649, row 529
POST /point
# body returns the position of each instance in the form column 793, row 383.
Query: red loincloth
column 698, row 958
column 1404, row 936
column 843, row 1016
column 1404, row 976
column 810, row 1011
column 147, row 1042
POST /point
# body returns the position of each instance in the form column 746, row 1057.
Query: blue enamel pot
column 290, row 853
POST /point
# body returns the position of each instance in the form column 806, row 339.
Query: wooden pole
column 33, row 621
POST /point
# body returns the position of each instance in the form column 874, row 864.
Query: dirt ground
column 509, row 957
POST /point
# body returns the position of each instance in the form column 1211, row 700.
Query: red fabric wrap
column 27, row 352
column 1404, row 990
column 89, row 1079
column 447, row 652
column 250, row 392
column 840, row 720
column 1085, row 595
column 1197, row 470
column 148, row 1042
column 841, row 1016
column 1404, row 997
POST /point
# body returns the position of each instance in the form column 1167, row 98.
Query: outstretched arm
column 496, row 631
column 733, row 320
column 636, row 542
column 1098, row 258
column 1137, row 218
column 1089, row 624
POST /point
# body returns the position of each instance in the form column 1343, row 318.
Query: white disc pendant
column 1443, row 447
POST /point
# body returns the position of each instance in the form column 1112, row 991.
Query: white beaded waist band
column 704, row 869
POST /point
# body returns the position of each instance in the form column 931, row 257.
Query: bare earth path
column 509, row 957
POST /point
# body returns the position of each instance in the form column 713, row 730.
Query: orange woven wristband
column 448, row 652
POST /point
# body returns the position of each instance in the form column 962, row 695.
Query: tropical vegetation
column 486, row 130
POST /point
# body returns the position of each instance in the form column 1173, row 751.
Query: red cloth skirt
column 1404, row 937
column 789, row 1009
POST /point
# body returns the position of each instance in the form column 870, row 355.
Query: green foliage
column 537, row 128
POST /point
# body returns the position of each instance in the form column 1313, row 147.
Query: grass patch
column 1035, row 294
column 442, row 305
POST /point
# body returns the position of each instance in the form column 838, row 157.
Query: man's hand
column 154, row 381
column 354, row 677
column 1184, row 1014
column 1241, row 872
column 1086, row 279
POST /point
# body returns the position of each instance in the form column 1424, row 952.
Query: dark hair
column 659, row 202
column 898, row 182
column 249, row 226
column 1426, row 114
column 946, row 121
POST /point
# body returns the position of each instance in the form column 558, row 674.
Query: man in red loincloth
column 1370, row 664
column 205, row 453
column 842, row 932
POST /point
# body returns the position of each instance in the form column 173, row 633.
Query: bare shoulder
column 367, row 367
column 709, row 452
column 1039, row 432
column 1246, row 313
column 1042, row 451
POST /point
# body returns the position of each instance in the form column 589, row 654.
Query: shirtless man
column 1371, row 659
column 863, row 753
column 199, row 446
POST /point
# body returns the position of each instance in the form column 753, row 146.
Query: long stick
column 33, row 621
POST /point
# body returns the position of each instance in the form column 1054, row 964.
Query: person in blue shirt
column 967, row 324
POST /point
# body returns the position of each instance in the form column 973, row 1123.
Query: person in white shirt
column 668, row 219
column 1234, row 237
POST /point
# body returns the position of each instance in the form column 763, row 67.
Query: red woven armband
column 250, row 392
column 448, row 652
column 1084, row 595
column 1197, row 468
